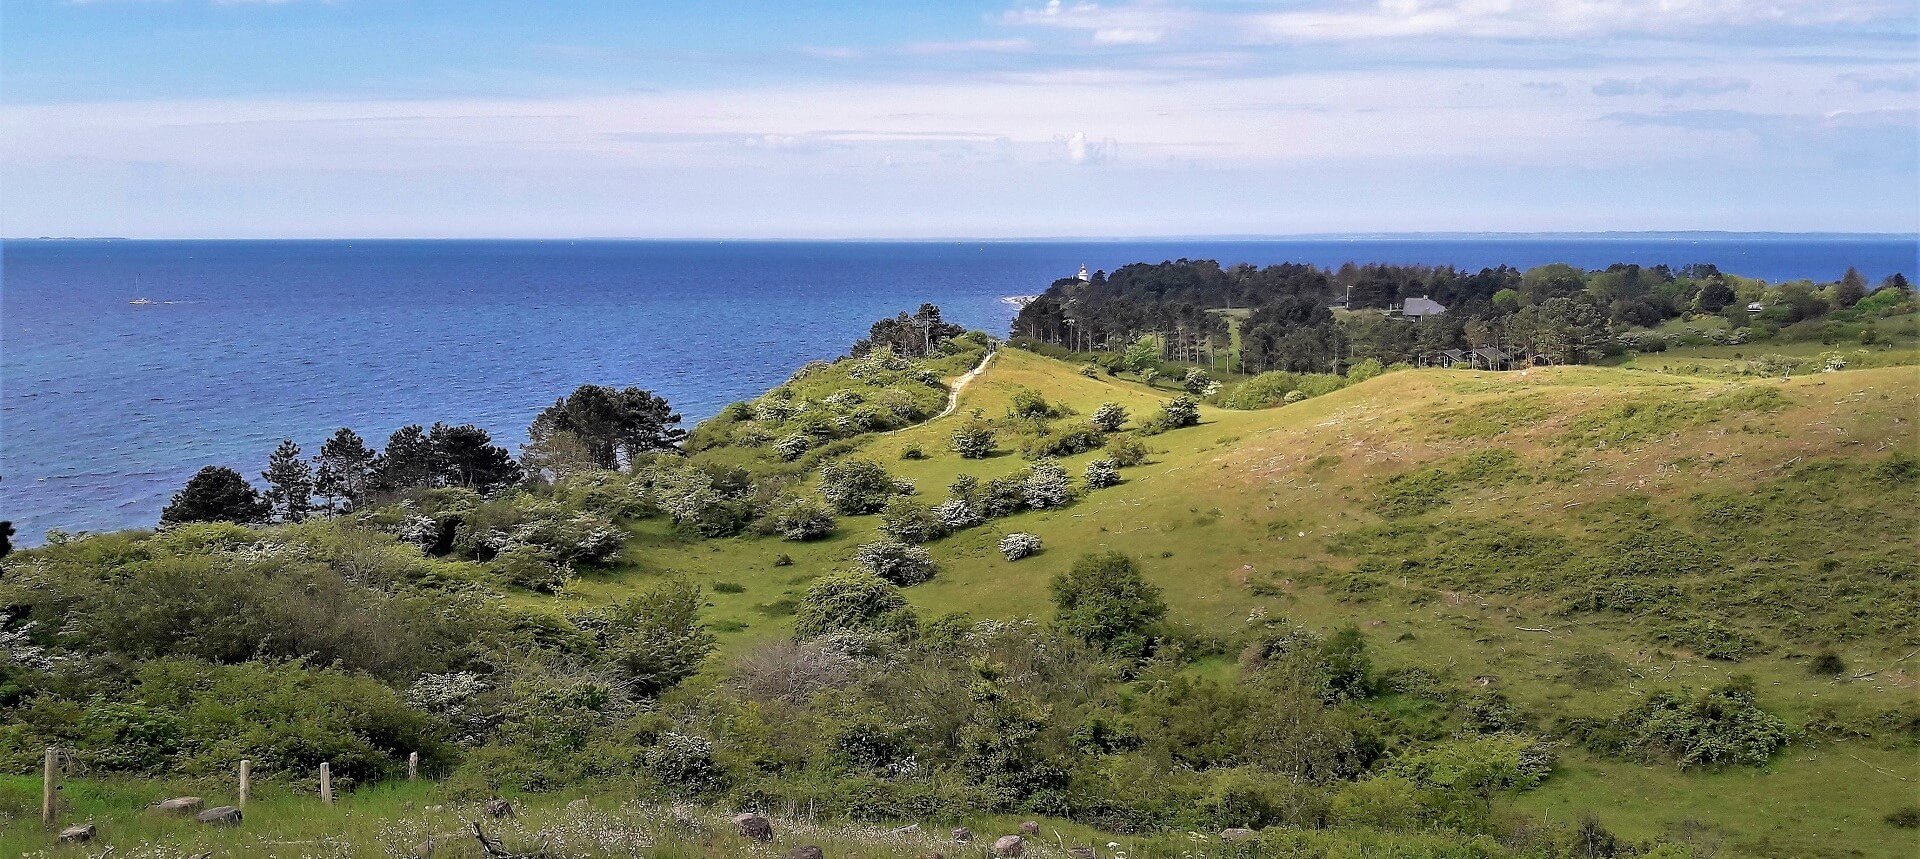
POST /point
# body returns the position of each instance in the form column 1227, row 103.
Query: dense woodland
column 1305, row 319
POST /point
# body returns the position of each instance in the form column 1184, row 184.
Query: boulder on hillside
column 1083, row 853
column 806, row 851
column 180, row 805
column 753, row 825
column 1237, row 834
column 1010, row 845
column 962, row 835
column 1030, row 828
column 220, row 815
column 497, row 808
column 79, row 834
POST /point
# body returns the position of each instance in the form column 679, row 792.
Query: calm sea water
column 107, row 407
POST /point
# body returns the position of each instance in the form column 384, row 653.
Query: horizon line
column 1171, row 237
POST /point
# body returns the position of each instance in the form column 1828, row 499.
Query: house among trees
column 1483, row 358
column 1420, row 307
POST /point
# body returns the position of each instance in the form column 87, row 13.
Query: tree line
column 596, row 427
column 1303, row 318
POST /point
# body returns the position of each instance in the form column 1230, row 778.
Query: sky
column 995, row 119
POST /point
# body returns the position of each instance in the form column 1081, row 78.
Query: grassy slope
column 1255, row 512
column 1241, row 515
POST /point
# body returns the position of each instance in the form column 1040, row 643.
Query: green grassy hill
column 1505, row 528
column 1577, row 540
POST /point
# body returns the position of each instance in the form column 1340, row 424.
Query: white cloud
column 1080, row 150
column 1666, row 87
column 1346, row 21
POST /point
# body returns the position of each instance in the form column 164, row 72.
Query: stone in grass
column 753, row 825
column 77, row 834
column 1010, row 845
column 180, row 805
column 220, row 815
column 962, row 835
column 806, row 851
column 425, row 849
column 1030, row 828
column 1237, row 835
column 497, row 808
column 1083, row 853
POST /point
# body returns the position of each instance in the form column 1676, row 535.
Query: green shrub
column 1071, row 439
column 1181, row 411
column 1126, row 450
column 802, row 519
column 851, row 602
column 973, row 440
column 1723, row 726
column 855, row 486
column 1109, row 417
column 896, row 562
column 909, row 521
column 286, row 718
column 655, row 640
column 1103, row 600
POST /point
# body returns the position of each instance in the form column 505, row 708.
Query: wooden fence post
column 326, row 783
column 246, row 781
column 49, row 782
column 413, row 766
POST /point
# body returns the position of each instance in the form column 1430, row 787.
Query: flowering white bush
column 792, row 446
column 1110, row 417
column 802, row 519
column 1048, row 485
column 1102, row 473
column 957, row 513
column 1019, row 545
column 896, row 562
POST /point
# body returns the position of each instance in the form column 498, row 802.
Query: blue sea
column 106, row 407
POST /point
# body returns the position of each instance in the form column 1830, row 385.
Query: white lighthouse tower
column 1084, row 277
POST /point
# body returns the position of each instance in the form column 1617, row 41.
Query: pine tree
column 408, row 461
column 216, row 494
column 343, row 472
column 1851, row 288
column 289, row 483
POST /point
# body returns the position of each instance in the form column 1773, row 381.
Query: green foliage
column 973, row 440
column 1103, row 600
column 855, row 486
column 1720, row 727
column 655, row 640
column 909, row 521
column 1656, row 417
column 1068, row 440
column 1109, row 417
column 896, row 562
column 1126, row 450
column 851, row 602
column 802, row 519
column 1479, row 766
column 216, row 494
column 190, row 717
column 1423, row 489
column 1181, row 411
column 1275, row 387
column 1206, row 724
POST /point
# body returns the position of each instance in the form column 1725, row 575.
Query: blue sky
column 201, row 118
